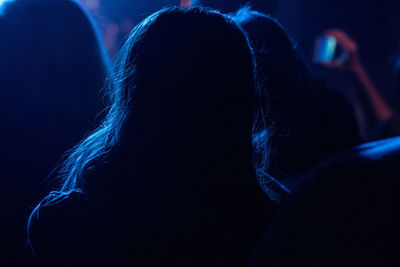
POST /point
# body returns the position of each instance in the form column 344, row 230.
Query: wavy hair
column 265, row 34
column 125, row 84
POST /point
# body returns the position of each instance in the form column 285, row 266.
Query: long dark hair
column 277, row 85
column 300, row 112
column 211, row 54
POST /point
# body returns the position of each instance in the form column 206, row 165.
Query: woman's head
column 275, row 55
column 277, row 89
column 189, row 82
column 289, row 104
column 181, row 100
column 296, row 104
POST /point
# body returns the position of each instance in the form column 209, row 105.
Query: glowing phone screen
column 325, row 49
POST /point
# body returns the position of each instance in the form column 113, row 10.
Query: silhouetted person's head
column 275, row 55
column 189, row 76
column 182, row 94
column 279, row 85
column 299, row 112
column 177, row 139
column 52, row 71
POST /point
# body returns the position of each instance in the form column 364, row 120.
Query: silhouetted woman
column 345, row 210
column 306, row 121
column 51, row 74
column 168, row 177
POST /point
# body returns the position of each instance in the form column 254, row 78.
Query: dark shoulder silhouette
column 345, row 215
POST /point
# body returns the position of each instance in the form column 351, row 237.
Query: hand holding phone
column 336, row 49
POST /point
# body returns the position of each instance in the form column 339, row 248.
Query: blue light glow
column 325, row 49
column 379, row 149
column 3, row 4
